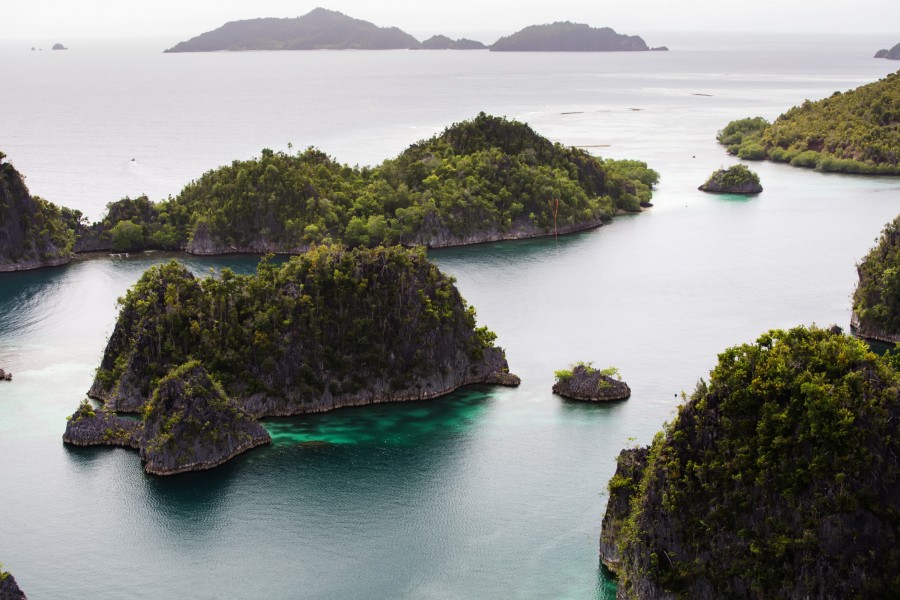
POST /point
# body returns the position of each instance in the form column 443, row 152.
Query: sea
column 484, row 493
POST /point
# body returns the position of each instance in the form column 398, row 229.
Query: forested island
column 779, row 478
column 583, row 382
column 892, row 54
column 876, row 301
column 323, row 29
column 481, row 180
column 737, row 179
column 201, row 359
column 852, row 132
column 332, row 327
column 320, row 29
column 565, row 36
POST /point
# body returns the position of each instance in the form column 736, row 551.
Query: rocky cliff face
column 435, row 234
column 98, row 427
column 778, row 479
column 344, row 328
column 190, row 425
column 622, row 488
column 33, row 233
column 9, row 590
column 592, row 385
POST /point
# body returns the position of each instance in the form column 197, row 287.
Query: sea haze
column 488, row 493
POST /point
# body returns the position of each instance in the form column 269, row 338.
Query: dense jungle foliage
column 31, row 228
column 477, row 177
column 478, row 180
column 857, row 131
column 876, row 300
column 331, row 320
column 778, row 479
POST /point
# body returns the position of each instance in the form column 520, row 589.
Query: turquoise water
column 489, row 492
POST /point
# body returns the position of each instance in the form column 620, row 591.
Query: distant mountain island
column 323, row 29
column 442, row 42
column 320, row 29
column 892, row 54
column 569, row 37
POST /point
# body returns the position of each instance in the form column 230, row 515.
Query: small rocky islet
column 585, row 383
column 9, row 589
column 737, row 179
column 277, row 203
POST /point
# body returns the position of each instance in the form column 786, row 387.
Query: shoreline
column 98, row 254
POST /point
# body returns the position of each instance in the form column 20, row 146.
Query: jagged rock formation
column 737, row 179
column 442, row 42
column 778, row 479
column 622, row 488
column 876, row 300
column 319, row 29
column 568, row 37
column 189, row 425
column 584, row 382
column 33, row 232
column 9, row 589
column 892, row 54
column 99, row 427
column 4, row 376
column 330, row 328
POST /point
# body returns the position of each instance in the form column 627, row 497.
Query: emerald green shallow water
column 488, row 492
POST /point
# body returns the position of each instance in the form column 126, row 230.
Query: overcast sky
column 40, row 20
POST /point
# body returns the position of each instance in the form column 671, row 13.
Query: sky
column 59, row 20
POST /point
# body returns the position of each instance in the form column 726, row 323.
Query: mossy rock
column 737, row 179
column 585, row 383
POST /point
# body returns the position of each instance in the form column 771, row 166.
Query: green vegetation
column 479, row 180
column 319, row 29
column 32, row 230
column 852, row 132
column 567, row 37
column 779, row 478
column 329, row 323
column 876, row 301
column 737, row 179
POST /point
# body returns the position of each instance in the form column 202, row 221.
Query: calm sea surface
column 487, row 493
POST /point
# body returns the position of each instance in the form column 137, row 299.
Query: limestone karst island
column 486, row 179
column 201, row 359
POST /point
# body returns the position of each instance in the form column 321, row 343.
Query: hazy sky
column 43, row 20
